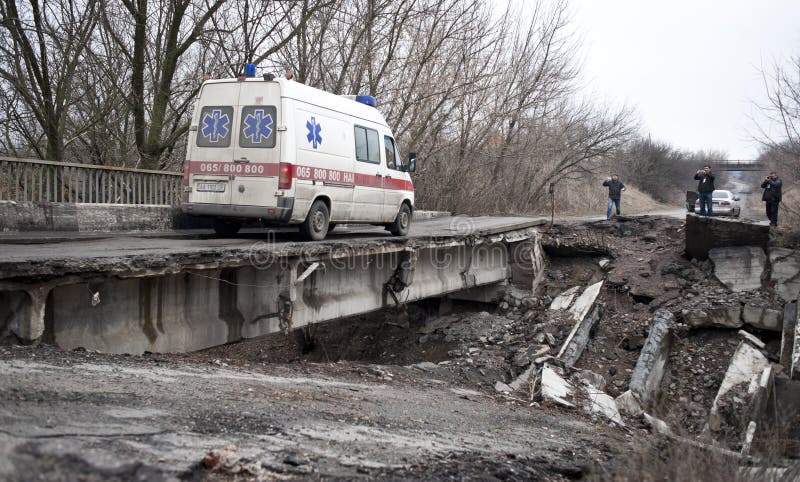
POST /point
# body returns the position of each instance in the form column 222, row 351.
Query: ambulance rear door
column 256, row 153
column 211, row 143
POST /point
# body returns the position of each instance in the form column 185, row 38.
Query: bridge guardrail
column 47, row 181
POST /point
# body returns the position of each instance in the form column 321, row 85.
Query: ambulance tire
column 226, row 227
column 402, row 222
column 315, row 227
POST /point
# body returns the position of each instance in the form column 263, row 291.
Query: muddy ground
column 406, row 393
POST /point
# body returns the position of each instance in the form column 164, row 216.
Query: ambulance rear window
column 367, row 145
column 257, row 126
column 216, row 126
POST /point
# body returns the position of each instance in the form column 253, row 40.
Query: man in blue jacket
column 772, row 196
column 615, row 188
column 705, row 188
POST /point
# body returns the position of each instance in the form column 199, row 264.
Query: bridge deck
column 114, row 254
column 128, row 294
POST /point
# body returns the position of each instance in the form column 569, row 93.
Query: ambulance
column 275, row 150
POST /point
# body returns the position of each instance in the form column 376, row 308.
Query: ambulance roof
column 310, row 95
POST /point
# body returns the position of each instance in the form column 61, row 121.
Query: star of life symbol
column 215, row 126
column 313, row 132
column 258, row 126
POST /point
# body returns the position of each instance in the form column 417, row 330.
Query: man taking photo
column 772, row 196
column 705, row 188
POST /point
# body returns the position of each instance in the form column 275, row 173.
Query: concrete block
column 705, row 233
column 628, row 404
column 601, row 403
column 739, row 268
column 565, row 299
column 722, row 316
column 651, row 365
column 585, row 301
column 657, row 425
column 785, row 264
column 787, row 334
column 555, row 389
column 762, row 318
column 743, row 373
column 577, row 341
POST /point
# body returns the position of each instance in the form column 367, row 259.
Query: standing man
column 772, row 196
column 705, row 188
column 615, row 188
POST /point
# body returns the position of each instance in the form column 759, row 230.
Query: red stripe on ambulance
column 307, row 173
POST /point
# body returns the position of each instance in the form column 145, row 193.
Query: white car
column 725, row 204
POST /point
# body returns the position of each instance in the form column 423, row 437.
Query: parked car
column 725, row 204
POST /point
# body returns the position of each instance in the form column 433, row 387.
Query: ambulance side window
column 393, row 160
column 367, row 145
column 215, row 126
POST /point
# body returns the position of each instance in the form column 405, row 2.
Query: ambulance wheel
column 402, row 222
column 226, row 227
column 315, row 227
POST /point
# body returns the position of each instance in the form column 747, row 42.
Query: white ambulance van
column 281, row 152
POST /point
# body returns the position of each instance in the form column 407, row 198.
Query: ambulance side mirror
column 412, row 162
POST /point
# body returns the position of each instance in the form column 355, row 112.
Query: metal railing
column 46, row 181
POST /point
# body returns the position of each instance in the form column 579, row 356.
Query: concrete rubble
column 721, row 316
column 739, row 268
column 785, row 271
column 742, row 375
column 762, row 317
column 706, row 233
column 565, row 299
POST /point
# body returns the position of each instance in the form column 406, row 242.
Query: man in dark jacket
column 615, row 188
column 772, row 196
column 705, row 188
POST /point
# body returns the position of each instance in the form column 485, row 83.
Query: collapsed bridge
column 126, row 294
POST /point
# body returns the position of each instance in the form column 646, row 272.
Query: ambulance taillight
column 285, row 174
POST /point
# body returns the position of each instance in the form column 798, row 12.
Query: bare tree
column 39, row 56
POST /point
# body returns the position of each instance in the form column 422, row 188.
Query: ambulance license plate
column 211, row 186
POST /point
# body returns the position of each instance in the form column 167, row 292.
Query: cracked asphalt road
column 85, row 416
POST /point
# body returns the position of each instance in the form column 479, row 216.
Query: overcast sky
column 690, row 68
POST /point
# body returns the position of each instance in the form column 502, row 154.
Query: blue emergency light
column 367, row 99
column 250, row 70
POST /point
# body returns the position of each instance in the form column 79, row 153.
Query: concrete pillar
column 652, row 362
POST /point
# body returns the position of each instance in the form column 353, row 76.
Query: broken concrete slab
column 705, row 233
column 785, row 269
column 743, row 373
column 752, row 339
column 555, row 389
column 649, row 370
column 585, row 301
column 723, row 316
column 740, row 268
column 762, row 317
column 790, row 313
column 565, row 299
column 577, row 341
column 758, row 406
column 601, row 403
